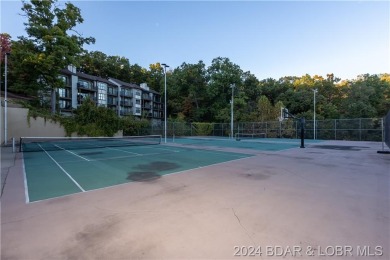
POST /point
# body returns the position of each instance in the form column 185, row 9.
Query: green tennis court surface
column 55, row 173
column 263, row 144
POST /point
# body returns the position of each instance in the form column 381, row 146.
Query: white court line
column 153, row 147
column 70, row 177
column 175, row 151
column 130, row 183
column 121, row 157
column 25, row 181
column 72, row 153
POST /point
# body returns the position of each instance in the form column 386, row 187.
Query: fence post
column 360, row 129
column 280, row 129
column 335, row 129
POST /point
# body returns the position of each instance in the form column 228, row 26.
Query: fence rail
column 361, row 129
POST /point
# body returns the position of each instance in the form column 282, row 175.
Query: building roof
column 110, row 81
column 94, row 78
column 125, row 84
column 67, row 72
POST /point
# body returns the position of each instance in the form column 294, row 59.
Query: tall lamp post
column 314, row 118
column 5, row 99
column 232, row 112
column 165, row 102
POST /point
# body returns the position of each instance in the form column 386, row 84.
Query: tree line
column 196, row 92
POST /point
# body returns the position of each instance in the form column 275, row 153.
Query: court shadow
column 143, row 176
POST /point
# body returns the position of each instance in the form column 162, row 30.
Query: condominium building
column 122, row 97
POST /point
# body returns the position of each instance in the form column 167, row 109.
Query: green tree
column 52, row 44
column 138, row 74
column 222, row 74
column 95, row 63
column 5, row 47
column 188, row 89
column 358, row 99
column 155, row 77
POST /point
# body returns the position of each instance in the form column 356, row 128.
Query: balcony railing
column 147, row 106
column 126, row 94
column 112, row 103
column 86, row 86
column 146, row 97
column 125, row 113
column 126, row 103
column 81, row 99
column 67, row 96
column 112, row 93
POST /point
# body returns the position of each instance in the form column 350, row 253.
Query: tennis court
column 221, row 201
column 259, row 144
column 55, row 168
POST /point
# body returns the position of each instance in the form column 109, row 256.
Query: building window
column 112, row 91
column 102, row 93
column 61, row 92
column 64, row 104
column 112, row 101
column 102, row 86
column 138, row 102
column 102, row 97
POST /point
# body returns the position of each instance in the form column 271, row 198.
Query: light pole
column 165, row 102
column 5, row 99
column 231, row 109
column 314, row 123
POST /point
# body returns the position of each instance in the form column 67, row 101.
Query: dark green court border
column 59, row 173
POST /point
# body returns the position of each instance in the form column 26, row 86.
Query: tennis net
column 240, row 136
column 34, row 144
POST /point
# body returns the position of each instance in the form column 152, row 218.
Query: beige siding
column 18, row 126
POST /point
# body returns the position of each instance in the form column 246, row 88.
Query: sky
column 271, row 39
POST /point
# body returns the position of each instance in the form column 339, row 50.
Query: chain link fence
column 386, row 130
column 361, row 129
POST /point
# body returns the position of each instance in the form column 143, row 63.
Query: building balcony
column 86, row 87
column 126, row 103
column 146, row 97
column 126, row 94
column 125, row 113
column 147, row 106
column 66, row 97
column 112, row 103
column 112, row 93
column 81, row 99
